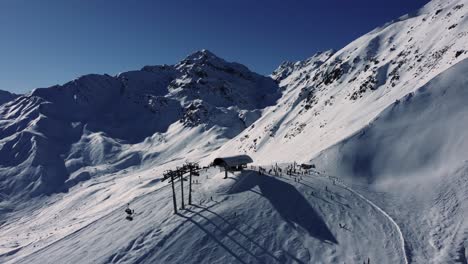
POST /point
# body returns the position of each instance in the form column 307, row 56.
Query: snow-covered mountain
column 55, row 137
column 383, row 120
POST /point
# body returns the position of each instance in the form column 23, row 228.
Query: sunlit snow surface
column 247, row 218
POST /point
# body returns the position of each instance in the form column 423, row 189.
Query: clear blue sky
column 50, row 42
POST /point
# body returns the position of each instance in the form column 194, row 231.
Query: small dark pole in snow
column 173, row 193
column 193, row 169
column 190, row 185
column 181, row 176
column 170, row 174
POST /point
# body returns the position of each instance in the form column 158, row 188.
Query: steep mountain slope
column 332, row 95
column 425, row 130
column 55, row 137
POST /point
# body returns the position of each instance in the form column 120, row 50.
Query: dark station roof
column 232, row 161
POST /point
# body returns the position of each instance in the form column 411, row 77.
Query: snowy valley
column 384, row 121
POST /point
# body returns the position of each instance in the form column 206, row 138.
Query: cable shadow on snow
column 288, row 202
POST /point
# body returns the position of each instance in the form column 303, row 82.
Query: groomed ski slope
column 247, row 218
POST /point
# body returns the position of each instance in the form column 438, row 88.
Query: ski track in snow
column 387, row 216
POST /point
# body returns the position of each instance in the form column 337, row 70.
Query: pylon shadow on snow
column 288, row 202
column 250, row 238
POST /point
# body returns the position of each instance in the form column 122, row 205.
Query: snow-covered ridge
column 287, row 68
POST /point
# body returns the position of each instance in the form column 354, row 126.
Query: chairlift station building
column 232, row 163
